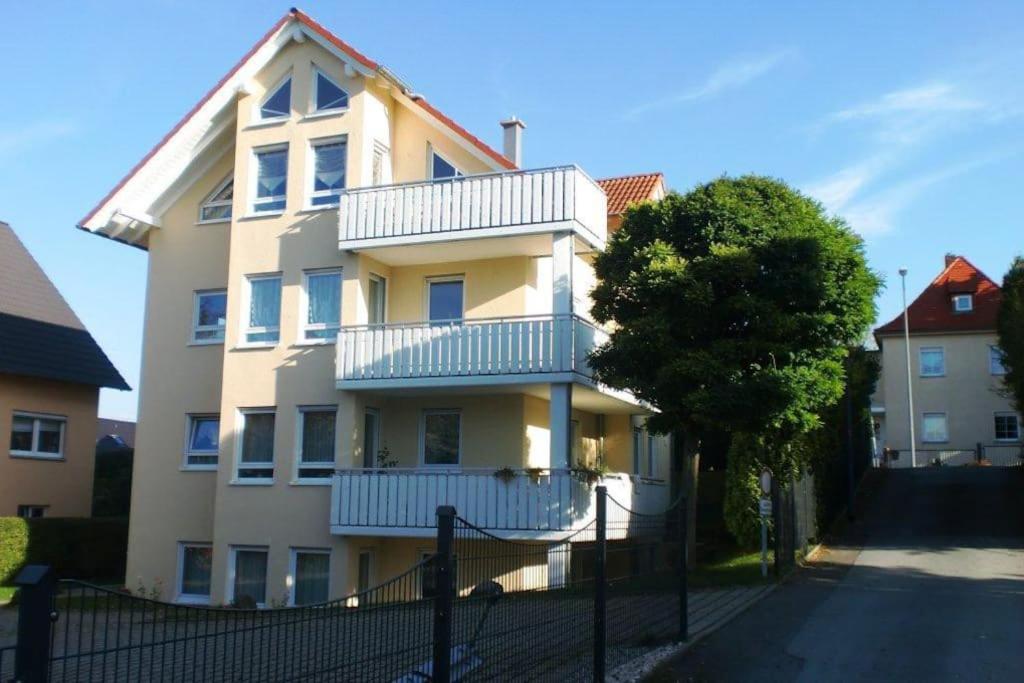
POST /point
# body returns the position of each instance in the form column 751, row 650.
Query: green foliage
column 13, row 545
column 81, row 548
column 112, row 485
column 1010, row 328
column 734, row 306
column 742, row 490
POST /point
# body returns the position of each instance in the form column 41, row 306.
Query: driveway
column 929, row 586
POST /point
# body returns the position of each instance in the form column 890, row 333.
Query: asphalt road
column 928, row 586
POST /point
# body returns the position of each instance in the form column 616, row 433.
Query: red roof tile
column 932, row 310
column 626, row 190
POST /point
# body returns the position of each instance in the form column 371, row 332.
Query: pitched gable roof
column 932, row 311
column 625, row 190
column 122, row 213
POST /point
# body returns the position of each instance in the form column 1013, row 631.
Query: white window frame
column 257, row 115
column 300, row 413
column 208, row 203
column 232, row 567
column 293, row 570
column 35, row 453
column 957, row 298
column 243, row 341
column 385, row 164
column 304, row 325
column 1005, row 439
column 945, row 419
column 196, row 327
column 423, row 438
column 254, row 180
column 995, row 355
column 311, row 175
column 920, row 361
column 190, row 425
column 431, row 152
column 384, row 283
column 314, row 85
column 179, row 595
column 239, row 445
column 440, row 279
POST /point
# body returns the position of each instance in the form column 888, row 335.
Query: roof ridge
column 630, row 175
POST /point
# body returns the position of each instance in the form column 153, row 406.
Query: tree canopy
column 1010, row 328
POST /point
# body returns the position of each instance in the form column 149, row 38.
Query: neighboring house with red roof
column 623, row 191
column 956, row 370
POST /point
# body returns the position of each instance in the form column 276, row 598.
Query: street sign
column 765, row 507
column 766, row 482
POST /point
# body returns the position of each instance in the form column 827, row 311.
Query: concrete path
column 929, row 586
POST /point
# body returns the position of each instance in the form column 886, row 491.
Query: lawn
column 731, row 567
column 6, row 593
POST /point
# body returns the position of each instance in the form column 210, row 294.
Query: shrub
column 79, row 548
column 13, row 546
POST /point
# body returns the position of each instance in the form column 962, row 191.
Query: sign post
column 765, row 508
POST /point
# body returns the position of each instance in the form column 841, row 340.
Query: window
column 264, row 304
column 311, row 571
column 933, row 361
column 271, row 180
column 963, row 303
column 31, row 511
column 1007, row 427
column 376, row 299
column 316, row 443
column 278, row 104
column 441, row 437
column 209, row 316
column 256, row 456
column 249, row 576
column 371, row 437
column 651, row 452
column 934, row 428
column 328, row 173
column 217, row 207
column 444, row 299
column 380, row 168
column 442, row 168
column 194, row 563
column 322, row 316
column 995, row 361
column 638, row 449
column 365, row 576
column 203, row 442
column 327, row 95
column 37, row 436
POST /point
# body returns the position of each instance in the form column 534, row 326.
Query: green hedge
column 92, row 549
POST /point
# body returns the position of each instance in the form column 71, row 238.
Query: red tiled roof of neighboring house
column 626, row 190
column 932, row 311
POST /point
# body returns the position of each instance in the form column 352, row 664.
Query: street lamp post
column 910, row 389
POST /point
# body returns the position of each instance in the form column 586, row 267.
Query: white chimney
column 513, row 143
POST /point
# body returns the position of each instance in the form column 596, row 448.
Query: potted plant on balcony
column 505, row 474
column 384, row 459
column 588, row 473
column 534, row 473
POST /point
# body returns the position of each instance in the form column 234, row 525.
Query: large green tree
column 1010, row 327
column 734, row 306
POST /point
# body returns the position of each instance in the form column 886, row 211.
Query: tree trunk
column 686, row 466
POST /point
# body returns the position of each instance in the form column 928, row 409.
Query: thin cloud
column 931, row 98
column 839, row 189
column 728, row 76
column 15, row 139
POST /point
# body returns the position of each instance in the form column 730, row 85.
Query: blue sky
column 906, row 118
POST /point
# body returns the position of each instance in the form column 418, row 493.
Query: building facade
column 384, row 316
column 51, row 371
column 960, row 408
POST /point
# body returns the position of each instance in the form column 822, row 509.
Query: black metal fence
column 482, row 607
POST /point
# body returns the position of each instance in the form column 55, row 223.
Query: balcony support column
column 561, row 425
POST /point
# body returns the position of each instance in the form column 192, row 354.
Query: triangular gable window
column 327, row 94
column 279, row 103
column 442, row 168
column 217, row 206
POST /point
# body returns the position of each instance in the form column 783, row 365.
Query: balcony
column 490, row 215
column 532, row 505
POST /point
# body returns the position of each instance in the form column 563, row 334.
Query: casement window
column 376, row 300
column 271, row 178
column 995, row 361
column 316, row 443
column 364, row 581
column 963, row 303
column 327, row 176
column 651, row 452
column 321, row 315
column 209, row 316
column 327, row 95
column 263, row 303
column 195, row 561
column 933, row 361
column 1007, row 427
column 638, row 450
column 278, row 102
column 37, row 436
column 442, row 168
column 216, row 208
column 371, row 437
column 445, row 298
column 441, row 437
column 248, row 567
column 934, row 428
column 32, row 511
column 380, row 166
column 202, row 446
column 256, row 447
column 311, row 572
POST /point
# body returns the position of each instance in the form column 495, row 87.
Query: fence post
column 600, row 584
column 32, row 655
column 442, row 665
column 684, row 608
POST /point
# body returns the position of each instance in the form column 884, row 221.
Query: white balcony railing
column 480, row 351
column 484, row 205
column 538, row 504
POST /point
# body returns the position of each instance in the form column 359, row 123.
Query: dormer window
column 278, row 104
column 217, row 206
column 327, row 95
column 963, row 303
